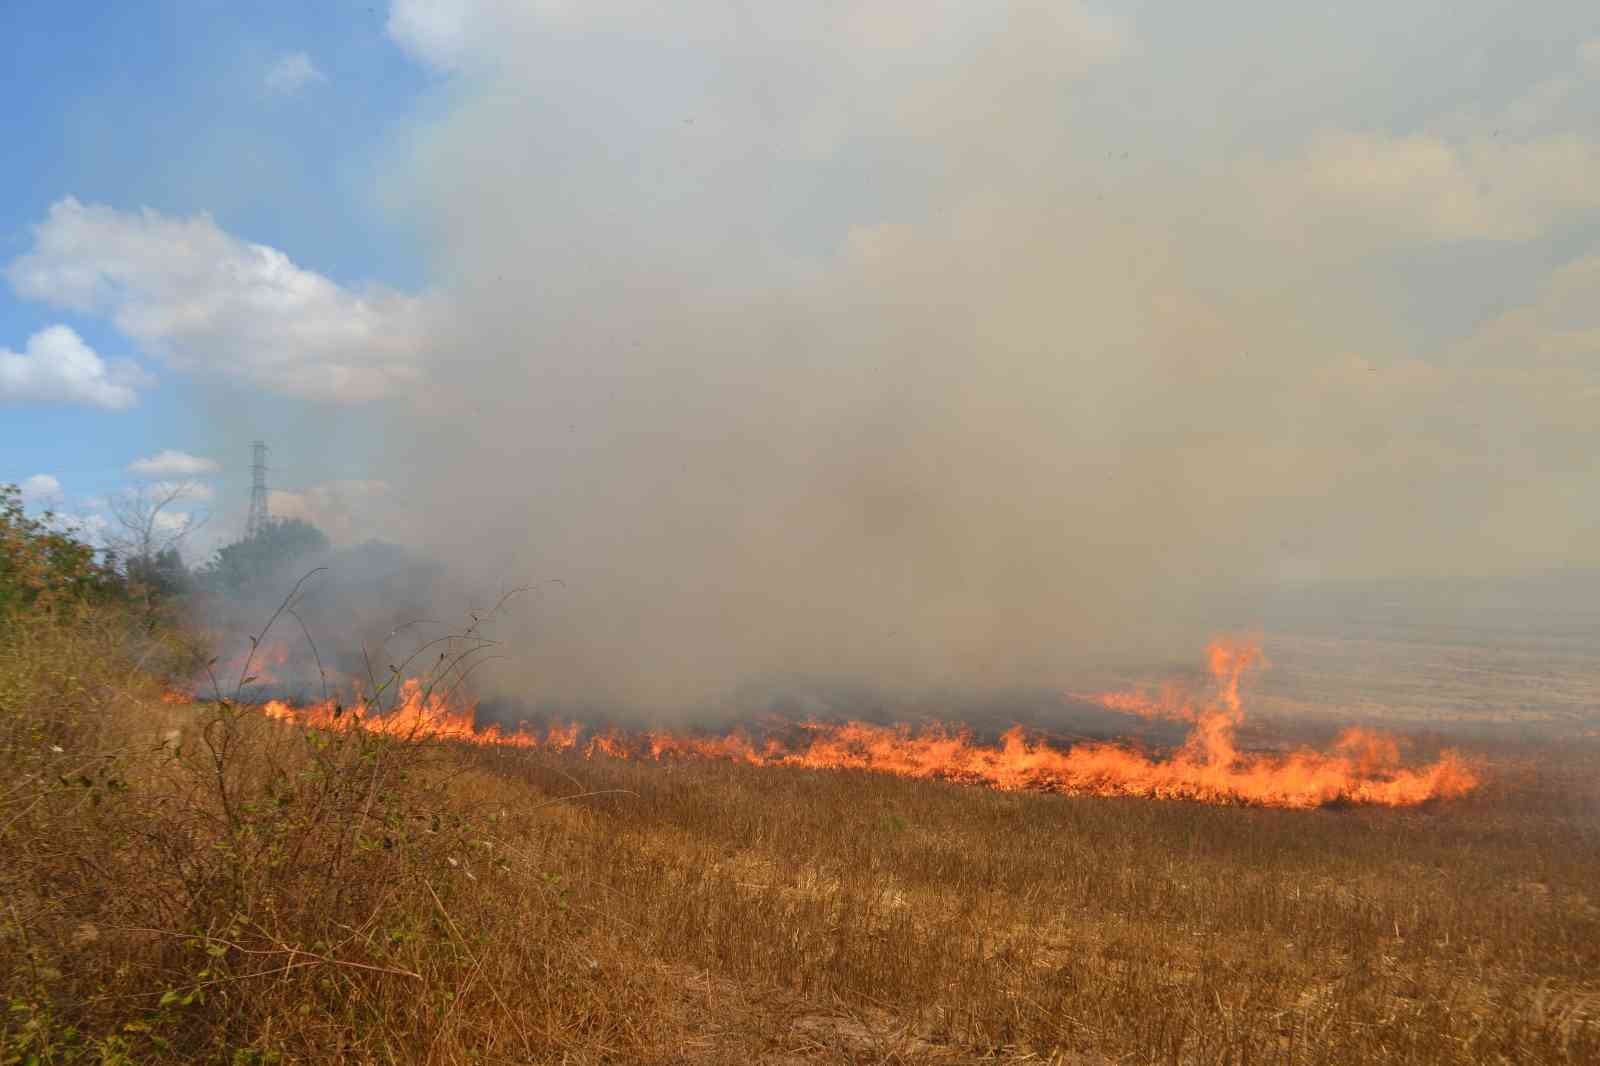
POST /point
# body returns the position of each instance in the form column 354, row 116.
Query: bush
column 190, row 882
column 44, row 565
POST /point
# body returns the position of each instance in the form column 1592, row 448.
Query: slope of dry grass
column 197, row 884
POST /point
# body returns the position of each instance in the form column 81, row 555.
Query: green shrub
column 44, row 564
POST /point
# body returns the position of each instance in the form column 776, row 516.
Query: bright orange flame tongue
column 1363, row 767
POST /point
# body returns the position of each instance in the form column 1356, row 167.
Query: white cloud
column 207, row 301
column 58, row 367
column 171, row 463
column 89, row 527
column 92, row 528
column 40, row 487
column 432, row 31
column 292, row 72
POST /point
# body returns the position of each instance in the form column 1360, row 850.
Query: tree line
column 48, row 559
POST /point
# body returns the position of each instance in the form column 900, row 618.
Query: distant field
column 1431, row 681
column 1506, row 658
column 1490, row 689
column 1499, row 669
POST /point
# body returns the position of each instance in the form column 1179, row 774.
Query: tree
column 149, row 527
column 246, row 562
column 146, row 533
column 163, row 574
column 43, row 563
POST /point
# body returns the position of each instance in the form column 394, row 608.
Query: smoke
column 817, row 344
column 331, row 621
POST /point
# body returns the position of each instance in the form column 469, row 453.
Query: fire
column 1228, row 661
column 1362, row 767
column 1170, row 701
column 419, row 714
column 266, row 665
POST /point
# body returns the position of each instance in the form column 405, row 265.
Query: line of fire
column 1362, row 767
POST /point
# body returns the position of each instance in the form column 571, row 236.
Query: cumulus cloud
column 432, row 31
column 208, row 302
column 291, row 72
column 171, row 463
column 57, row 367
column 40, row 487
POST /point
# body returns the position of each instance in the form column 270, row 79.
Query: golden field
column 197, row 883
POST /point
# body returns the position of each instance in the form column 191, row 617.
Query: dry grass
column 1158, row 932
column 246, row 892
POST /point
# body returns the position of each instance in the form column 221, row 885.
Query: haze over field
column 918, row 345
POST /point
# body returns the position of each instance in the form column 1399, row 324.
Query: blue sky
column 171, row 106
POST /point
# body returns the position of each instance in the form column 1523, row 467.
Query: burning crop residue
column 418, row 714
column 1362, row 767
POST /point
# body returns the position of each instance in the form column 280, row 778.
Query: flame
column 265, row 665
column 419, row 714
column 1170, row 701
column 1362, row 767
column 1228, row 659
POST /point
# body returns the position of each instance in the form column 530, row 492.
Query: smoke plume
column 871, row 343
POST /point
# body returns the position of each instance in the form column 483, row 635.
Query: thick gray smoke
column 883, row 342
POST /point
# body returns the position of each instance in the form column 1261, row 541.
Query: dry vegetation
column 193, row 883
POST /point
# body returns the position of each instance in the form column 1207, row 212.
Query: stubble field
column 198, row 883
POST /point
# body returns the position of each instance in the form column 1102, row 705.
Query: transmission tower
column 259, row 514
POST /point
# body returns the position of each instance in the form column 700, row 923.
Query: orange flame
column 1169, row 701
column 262, row 666
column 1228, row 660
column 1362, row 767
